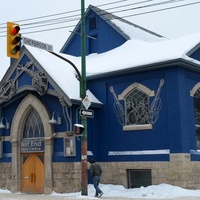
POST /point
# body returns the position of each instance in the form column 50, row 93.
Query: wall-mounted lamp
column 7, row 126
column 53, row 120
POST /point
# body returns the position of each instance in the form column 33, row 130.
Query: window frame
column 149, row 93
column 194, row 90
column 139, row 173
column 29, row 123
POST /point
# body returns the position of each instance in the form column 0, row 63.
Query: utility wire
column 78, row 15
column 163, row 9
column 62, row 13
column 62, row 19
column 108, row 10
column 147, row 12
column 142, row 13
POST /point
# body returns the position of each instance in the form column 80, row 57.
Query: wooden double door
column 32, row 174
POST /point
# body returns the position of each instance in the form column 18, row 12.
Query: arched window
column 33, row 127
column 195, row 92
column 137, row 112
column 136, row 106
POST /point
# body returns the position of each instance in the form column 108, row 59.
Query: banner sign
column 32, row 145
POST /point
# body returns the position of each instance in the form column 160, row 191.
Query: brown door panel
column 32, row 179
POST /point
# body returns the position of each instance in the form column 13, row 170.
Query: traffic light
column 78, row 129
column 13, row 40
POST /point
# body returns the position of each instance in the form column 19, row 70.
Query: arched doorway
column 23, row 158
column 32, row 154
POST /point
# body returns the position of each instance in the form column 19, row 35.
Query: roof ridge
column 109, row 16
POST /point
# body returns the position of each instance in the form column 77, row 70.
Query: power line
column 62, row 13
column 142, row 13
column 163, row 9
column 61, row 19
column 126, row 16
column 45, row 21
column 65, row 19
column 76, row 16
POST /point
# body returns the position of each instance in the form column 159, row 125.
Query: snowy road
column 113, row 192
column 11, row 196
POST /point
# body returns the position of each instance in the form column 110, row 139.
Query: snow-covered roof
column 125, row 27
column 62, row 73
column 132, row 54
column 136, row 53
column 136, row 32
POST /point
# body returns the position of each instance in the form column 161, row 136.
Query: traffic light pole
column 84, row 177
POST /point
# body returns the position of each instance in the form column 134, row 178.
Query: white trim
column 147, row 152
column 143, row 88
column 194, row 89
column 137, row 127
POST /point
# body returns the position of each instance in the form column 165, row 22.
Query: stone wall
column 180, row 171
column 5, row 175
column 66, row 177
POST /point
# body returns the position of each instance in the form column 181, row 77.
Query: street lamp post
column 84, row 177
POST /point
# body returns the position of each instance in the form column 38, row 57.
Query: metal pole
column 84, row 177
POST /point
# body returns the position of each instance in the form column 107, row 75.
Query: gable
column 104, row 32
column 100, row 37
column 44, row 73
column 27, row 75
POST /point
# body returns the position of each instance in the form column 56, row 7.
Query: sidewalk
column 19, row 196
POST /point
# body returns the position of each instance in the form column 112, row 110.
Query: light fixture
column 53, row 120
column 7, row 126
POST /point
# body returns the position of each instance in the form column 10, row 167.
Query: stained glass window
column 33, row 126
column 136, row 107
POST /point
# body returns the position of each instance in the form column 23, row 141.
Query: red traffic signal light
column 78, row 129
column 15, row 29
column 13, row 40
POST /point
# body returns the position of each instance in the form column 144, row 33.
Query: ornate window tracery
column 33, row 127
column 137, row 109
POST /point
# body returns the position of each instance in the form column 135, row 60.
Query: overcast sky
column 171, row 23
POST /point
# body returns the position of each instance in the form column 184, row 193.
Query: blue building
column 144, row 92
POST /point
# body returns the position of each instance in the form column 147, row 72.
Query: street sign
column 86, row 102
column 37, row 44
column 87, row 113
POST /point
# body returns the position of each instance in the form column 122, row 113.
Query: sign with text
column 32, row 145
column 87, row 113
column 37, row 44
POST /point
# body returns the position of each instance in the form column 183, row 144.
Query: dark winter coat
column 95, row 170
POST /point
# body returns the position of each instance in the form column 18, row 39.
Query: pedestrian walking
column 96, row 171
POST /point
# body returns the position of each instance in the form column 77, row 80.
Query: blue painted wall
column 174, row 129
column 106, row 38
